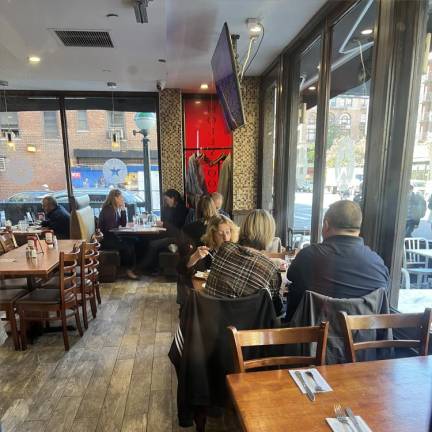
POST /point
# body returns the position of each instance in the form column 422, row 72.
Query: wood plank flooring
column 116, row 378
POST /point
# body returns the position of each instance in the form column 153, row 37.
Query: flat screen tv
column 226, row 80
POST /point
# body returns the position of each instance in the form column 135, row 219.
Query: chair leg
column 64, row 328
column 98, row 293
column 14, row 330
column 78, row 321
column 93, row 305
column 84, row 310
column 23, row 329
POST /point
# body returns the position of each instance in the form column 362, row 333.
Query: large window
column 350, row 78
column 416, row 275
column 34, row 163
column 119, row 150
column 306, row 134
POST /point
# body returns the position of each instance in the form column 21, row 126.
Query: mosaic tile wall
column 245, row 143
column 171, row 138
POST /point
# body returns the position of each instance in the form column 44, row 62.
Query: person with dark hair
column 113, row 215
column 341, row 266
column 56, row 217
column 173, row 217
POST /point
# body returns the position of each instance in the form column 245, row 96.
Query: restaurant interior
column 215, row 216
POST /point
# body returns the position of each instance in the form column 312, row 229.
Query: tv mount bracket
column 234, row 39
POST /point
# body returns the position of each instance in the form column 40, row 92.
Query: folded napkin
column 312, row 383
column 337, row 426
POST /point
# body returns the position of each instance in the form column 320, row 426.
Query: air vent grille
column 85, row 38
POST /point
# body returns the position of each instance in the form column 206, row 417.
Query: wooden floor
column 117, row 377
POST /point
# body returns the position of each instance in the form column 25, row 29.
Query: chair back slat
column 420, row 321
column 284, row 336
column 68, row 265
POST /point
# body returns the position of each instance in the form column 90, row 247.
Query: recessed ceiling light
column 197, row 102
column 366, row 32
column 204, row 86
column 312, row 88
column 106, row 70
column 34, row 59
column 111, row 15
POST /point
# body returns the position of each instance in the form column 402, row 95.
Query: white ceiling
column 184, row 32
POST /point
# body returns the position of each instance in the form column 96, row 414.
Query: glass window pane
column 306, row 135
column 269, row 143
column 112, row 153
column 416, row 273
column 350, row 79
column 24, row 177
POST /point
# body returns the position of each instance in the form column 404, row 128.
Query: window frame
column 45, row 125
column 78, row 120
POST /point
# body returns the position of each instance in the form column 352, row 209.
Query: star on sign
column 115, row 172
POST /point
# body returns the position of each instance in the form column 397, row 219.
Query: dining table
column 15, row 262
column 139, row 230
column 392, row 395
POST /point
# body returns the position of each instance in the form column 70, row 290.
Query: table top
column 390, row 395
column 43, row 265
column 424, row 252
column 138, row 230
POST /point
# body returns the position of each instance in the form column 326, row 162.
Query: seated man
column 218, row 200
column 56, row 217
column 341, row 266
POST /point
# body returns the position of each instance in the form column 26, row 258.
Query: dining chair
column 8, row 298
column 43, row 301
column 7, row 242
column 95, row 244
column 282, row 336
column 86, row 289
column 419, row 321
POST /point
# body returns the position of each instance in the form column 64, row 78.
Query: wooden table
column 390, row 395
column 138, row 230
column 43, row 265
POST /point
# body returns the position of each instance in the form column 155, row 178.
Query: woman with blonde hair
column 220, row 229
column 113, row 215
column 239, row 270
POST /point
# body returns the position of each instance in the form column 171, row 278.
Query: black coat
column 59, row 221
column 201, row 351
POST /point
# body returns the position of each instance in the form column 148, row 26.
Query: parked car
column 97, row 195
column 28, row 196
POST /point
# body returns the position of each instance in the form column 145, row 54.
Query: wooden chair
column 419, row 321
column 59, row 301
column 282, row 336
column 96, row 263
column 7, row 242
column 86, row 290
column 8, row 297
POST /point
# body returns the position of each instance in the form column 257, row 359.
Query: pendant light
column 115, row 143
column 9, row 133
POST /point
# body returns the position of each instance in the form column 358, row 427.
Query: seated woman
column 220, row 229
column 241, row 269
column 173, row 217
column 113, row 215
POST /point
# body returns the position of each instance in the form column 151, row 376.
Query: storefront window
column 117, row 150
column 30, row 143
column 416, row 271
column 306, row 135
column 350, row 78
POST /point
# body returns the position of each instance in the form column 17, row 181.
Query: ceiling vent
column 84, row 38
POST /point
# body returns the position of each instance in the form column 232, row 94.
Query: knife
column 353, row 419
column 309, row 392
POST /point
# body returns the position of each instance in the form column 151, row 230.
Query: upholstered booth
column 83, row 226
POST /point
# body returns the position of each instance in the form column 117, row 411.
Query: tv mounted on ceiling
column 226, row 80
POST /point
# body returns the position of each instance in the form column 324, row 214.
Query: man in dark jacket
column 341, row 266
column 56, row 217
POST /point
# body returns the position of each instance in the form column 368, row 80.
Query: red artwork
column 206, row 133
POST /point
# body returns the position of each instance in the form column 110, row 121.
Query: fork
column 340, row 416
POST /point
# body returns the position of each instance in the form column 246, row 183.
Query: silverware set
column 342, row 416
